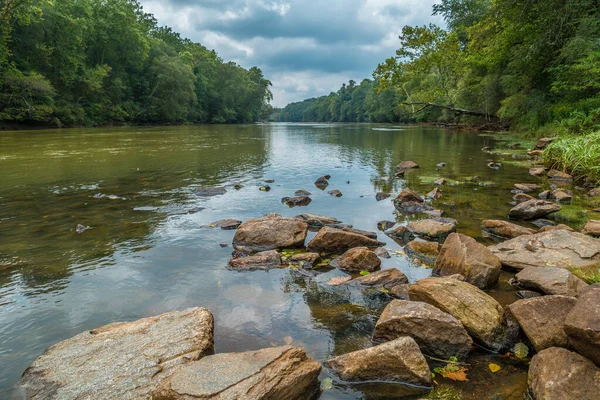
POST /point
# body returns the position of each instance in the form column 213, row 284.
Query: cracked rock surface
column 124, row 360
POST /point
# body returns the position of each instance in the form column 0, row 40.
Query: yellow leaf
column 494, row 367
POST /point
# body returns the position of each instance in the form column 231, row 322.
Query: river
column 149, row 251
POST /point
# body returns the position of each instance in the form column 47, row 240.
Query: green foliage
column 366, row 102
column 578, row 154
column 588, row 276
column 521, row 350
column 85, row 62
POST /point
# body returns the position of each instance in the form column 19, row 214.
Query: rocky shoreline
column 437, row 319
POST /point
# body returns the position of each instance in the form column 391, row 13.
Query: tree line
column 98, row 62
column 527, row 64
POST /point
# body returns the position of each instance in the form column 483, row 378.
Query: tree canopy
column 91, row 62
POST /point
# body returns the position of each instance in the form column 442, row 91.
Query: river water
column 148, row 250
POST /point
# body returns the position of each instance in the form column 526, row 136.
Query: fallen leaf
column 460, row 375
column 494, row 367
column 365, row 273
column 521, row 350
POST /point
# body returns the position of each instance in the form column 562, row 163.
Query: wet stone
column 210, row 191
column 385, row 225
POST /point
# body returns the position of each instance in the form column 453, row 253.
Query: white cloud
column 307, row 48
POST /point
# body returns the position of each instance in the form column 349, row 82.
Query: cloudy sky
column 307, row 48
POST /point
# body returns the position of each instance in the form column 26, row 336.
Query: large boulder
column 551, row 281
column 504, row 229
column 387, row 278
column 533, row 209
column 317, row 221
column 278, row 373
column 582, row 325
column 264, row 234
column 263, row 260
column 431, row 229
column 559, row 248
column 542, row 319
column 356, row 260
column 124, row 360
column 481, row 315
column 592, row 228
column 560, row 374
column 462, row 255
column 400, row 360
column 437, row 333
column 331, row 240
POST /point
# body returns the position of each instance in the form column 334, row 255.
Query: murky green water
column 147, row 252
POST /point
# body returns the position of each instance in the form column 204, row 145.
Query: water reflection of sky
column 163, row 260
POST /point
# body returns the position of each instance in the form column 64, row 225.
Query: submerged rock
column 298, row 201
column 437, row 333
column 210, row 191
column 582, row 325
column 82, row 228
column 560, row 248
column 481, row 315
column 263, row 260
column 226, row 224
column 431, row 229
column 522, row 198
column 381, row 252
column 533, row 209
column 335, row 193
column 399, row 360
column 356, row 260
column 560, row 374
column 322, row 182
column 539, row 172
column 504, row 229
column 331, row 240
column 551, row 281
column 385, row 225
column 302, row 193
column 404, row 165
column 435, row 194
column 462, row 255
column 124, row 360
column 382, row 196
column 278, row 373
column 264, row 234
column 542, row 319
column 401, row 235
column 526, row 187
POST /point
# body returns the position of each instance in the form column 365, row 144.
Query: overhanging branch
column 425, row 105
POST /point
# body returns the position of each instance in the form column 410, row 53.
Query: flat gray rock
column 275, row 373
column 124, row 360
column 559, row 248
column 551, row 281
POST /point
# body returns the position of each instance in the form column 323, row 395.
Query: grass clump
column 578, row 155
column 445, row 392
column 589, row 276
column 574, row 216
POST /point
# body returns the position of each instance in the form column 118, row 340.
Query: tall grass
column 577, row 155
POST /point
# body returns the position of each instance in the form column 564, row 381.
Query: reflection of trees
column 43, row 199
